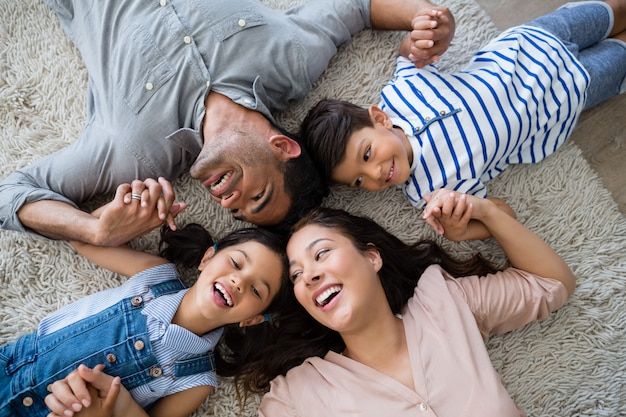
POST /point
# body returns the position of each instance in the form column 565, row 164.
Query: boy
column 517, row 101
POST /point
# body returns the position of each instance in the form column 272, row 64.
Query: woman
column 406, row 345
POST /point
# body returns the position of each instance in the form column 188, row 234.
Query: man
column 177, row 84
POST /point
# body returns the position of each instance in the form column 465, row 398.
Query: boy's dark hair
column 304, row 185
column 325, row 131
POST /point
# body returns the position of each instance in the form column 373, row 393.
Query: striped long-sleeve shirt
column 516, row 101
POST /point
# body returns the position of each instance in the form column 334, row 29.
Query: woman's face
column 335, row 282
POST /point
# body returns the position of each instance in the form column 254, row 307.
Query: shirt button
column 442, row 112
column 208, row 84
column 241, row 22
column 187, row 39
column 423, row 407
column 27, row 401
column 163, row 3
column 139, row 345
column 427, row 119
column 149, row 86
column 111, row 358
column 247, row 101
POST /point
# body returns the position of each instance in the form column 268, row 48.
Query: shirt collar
column 162, row 309
column 188, row 139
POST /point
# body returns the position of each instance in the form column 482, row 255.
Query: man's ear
column 284, row 147
column 206, row 257
column 258, row 319
column 378, row 116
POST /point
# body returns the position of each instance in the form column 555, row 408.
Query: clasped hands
column 432, row 32
column 137, row 209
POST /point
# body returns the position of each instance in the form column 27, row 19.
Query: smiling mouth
column 221, row 181
column 391, row 172
column 325, row 297
column 222, row 291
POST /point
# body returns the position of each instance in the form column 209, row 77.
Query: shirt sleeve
column 277, row 402
column 92, row 165
column 509, row 299
column 324, row 25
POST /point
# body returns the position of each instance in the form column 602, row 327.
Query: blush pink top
column 446, row 324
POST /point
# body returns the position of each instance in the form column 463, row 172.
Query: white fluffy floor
column 573, row 364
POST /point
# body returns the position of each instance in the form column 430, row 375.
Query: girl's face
column 335, row 282
column 376, row 157
column 237, row 283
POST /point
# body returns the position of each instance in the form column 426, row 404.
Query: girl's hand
column 69, row 395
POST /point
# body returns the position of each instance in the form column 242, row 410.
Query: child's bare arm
column 181, row 404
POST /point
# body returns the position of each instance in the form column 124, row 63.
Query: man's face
column 243, row 174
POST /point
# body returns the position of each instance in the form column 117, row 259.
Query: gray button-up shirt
column 151, row 65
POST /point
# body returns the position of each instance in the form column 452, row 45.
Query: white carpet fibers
column 573, row 364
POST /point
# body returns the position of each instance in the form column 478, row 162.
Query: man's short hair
column 304, row 185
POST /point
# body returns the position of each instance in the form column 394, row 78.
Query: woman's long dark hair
column 299, row 336
column 239, row 347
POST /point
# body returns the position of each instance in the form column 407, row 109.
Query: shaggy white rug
column 573, row 364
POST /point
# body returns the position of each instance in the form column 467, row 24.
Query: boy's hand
column 433, row 30
column 448, row 213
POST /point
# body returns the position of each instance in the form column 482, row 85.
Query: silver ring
column 134, row 196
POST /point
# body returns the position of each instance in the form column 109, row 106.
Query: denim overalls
column 116, row 337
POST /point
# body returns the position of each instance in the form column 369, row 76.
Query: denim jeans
column 583, row 28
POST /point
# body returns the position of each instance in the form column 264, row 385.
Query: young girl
column 516, row 101
column 396, row 333
column 152, row 332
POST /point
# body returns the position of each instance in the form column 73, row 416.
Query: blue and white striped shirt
column 169, row 342
column 516, row 102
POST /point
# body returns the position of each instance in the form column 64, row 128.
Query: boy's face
column 376, row 157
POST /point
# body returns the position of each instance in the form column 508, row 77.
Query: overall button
column 156, row 372
column 139, row 345
column 136, row 301
column 111, row 358
column 27, row 401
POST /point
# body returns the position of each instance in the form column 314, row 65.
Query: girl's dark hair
column 239, row 348
column 302, row 337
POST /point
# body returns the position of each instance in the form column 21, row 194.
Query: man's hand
column 432, row 31
column 136, row 209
